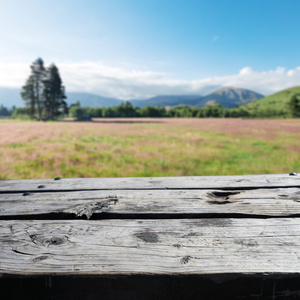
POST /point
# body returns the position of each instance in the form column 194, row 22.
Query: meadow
column 148, row 147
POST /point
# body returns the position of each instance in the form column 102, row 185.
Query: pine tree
column 54, row 93
column 38, row 74
column 33, row 89
column 29, row 97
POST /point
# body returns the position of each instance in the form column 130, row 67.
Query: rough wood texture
column 199, row 182
column 114, row 247
column 241, row 225
column 257, row 202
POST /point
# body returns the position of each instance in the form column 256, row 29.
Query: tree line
column 127, row 110
column 6, row 112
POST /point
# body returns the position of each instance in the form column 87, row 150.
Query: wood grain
column 110, row 247
column 256, row 202
column 131, row 183
column 221, row 225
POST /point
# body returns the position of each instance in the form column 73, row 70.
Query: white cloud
column 98, row 78
column 215, row 38
column 13, row 74
column 246, row 71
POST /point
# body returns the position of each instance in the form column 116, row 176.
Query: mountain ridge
column 228, row 97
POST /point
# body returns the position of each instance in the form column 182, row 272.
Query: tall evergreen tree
column 38, row 74
column 29, row 96
column 33, row 88
column 54, row 93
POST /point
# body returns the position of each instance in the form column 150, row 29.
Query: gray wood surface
column 162, row 226
column 263, row 202
column 131, row 183
column 110, row 247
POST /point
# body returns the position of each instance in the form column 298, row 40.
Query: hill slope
column 229, row 97
column 278, row 102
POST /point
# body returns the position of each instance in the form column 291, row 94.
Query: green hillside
column 273, row 105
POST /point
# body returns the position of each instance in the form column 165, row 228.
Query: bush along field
column 148, row 147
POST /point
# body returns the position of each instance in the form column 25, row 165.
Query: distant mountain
column 167, row 100
column 10, row 97
column 229, row 97
column 91, row 100
column 276, row 102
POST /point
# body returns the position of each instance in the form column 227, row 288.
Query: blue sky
column 137, row 48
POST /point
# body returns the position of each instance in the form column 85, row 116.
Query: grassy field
column 148, row 147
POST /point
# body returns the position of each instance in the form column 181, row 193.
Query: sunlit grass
column 158, row 147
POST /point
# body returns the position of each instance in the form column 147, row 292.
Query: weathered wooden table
column 145, row 238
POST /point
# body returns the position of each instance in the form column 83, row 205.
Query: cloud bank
column 98, row 78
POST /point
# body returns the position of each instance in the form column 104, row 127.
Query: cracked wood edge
column 263, row 202
column 115, row 247
column 132, row 183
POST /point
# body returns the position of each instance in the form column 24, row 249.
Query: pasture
column 148, row 147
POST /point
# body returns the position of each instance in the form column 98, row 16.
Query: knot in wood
column 48, row 241
column 147, row 236
column 40, row 258
column 56, row 240
column 185, row 259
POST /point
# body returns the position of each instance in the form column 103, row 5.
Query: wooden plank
column 263, row 202
column 115, row 247
column 131, row 183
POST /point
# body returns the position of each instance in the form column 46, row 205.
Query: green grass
column 181, row 147
column 17, row 145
